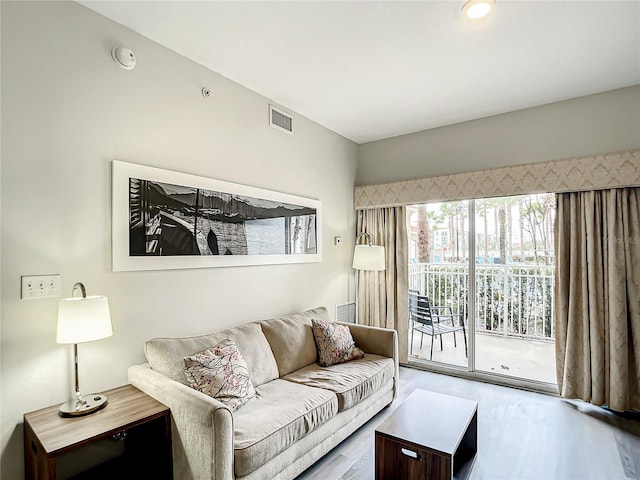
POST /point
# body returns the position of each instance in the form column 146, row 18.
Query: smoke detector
column 123, row 57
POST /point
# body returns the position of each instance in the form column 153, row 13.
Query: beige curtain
column 597, row 297
column 383, row 296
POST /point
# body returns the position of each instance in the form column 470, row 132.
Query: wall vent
column 346, row 313
column 280, row 120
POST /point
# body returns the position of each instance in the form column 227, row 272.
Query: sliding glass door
column 514, row 269
column 439, row 275
column 500, row 253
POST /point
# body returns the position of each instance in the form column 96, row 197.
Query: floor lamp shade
column 368, row 257
column 83, row 319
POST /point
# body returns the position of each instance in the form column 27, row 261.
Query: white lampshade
column 83, row 319
column 368, row 257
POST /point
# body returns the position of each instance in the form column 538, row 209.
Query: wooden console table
column 429, row 436
column 131, row 416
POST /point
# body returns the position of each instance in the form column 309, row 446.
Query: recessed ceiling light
column 475, row 9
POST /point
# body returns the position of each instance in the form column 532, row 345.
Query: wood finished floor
column 521, row 435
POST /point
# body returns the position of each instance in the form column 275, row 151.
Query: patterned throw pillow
column 334, row 343
column 221, row 372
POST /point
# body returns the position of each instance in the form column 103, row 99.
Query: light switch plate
column 40, row 286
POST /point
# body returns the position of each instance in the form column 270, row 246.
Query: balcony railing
column 511, row 300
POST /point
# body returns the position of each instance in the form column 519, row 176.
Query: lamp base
column 84, row 406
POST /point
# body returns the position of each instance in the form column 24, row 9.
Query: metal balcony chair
column 433, row 320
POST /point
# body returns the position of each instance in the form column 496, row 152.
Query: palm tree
column 538, row 212
column 502, row 226
column 424, row 235
column 454, row 212
column 521, row 225
column 486, row 229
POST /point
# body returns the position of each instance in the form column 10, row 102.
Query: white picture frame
column 154, row 211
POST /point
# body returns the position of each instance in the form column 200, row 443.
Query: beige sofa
column 300, row 412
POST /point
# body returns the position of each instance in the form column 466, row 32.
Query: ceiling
column 375, row 69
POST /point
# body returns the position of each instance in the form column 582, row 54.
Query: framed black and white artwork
column 170, row 220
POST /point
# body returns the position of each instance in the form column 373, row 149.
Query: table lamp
column 82, row 319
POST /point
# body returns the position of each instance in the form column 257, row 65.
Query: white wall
column 67, row 111
column 601, row 123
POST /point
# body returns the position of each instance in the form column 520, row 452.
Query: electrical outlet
column 337, row 241
column 40, row 286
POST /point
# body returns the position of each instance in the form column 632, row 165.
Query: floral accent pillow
column 222, row 373
column 334, row 343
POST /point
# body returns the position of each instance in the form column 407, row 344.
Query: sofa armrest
column 197, row 419
column 379, row 341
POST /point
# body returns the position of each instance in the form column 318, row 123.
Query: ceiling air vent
column 280, row 120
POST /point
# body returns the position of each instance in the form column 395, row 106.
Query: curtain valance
column 609, row 170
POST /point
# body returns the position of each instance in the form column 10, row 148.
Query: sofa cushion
column 165, row 354
column 281, row 413
column 334, row 343
column 291, row 339
column 221, row 372
column 352, row 382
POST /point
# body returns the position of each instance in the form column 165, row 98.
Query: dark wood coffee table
column 429, row 436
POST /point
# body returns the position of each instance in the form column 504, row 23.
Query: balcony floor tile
column 515, row 357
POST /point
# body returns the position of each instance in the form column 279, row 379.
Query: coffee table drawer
column 399, row 460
